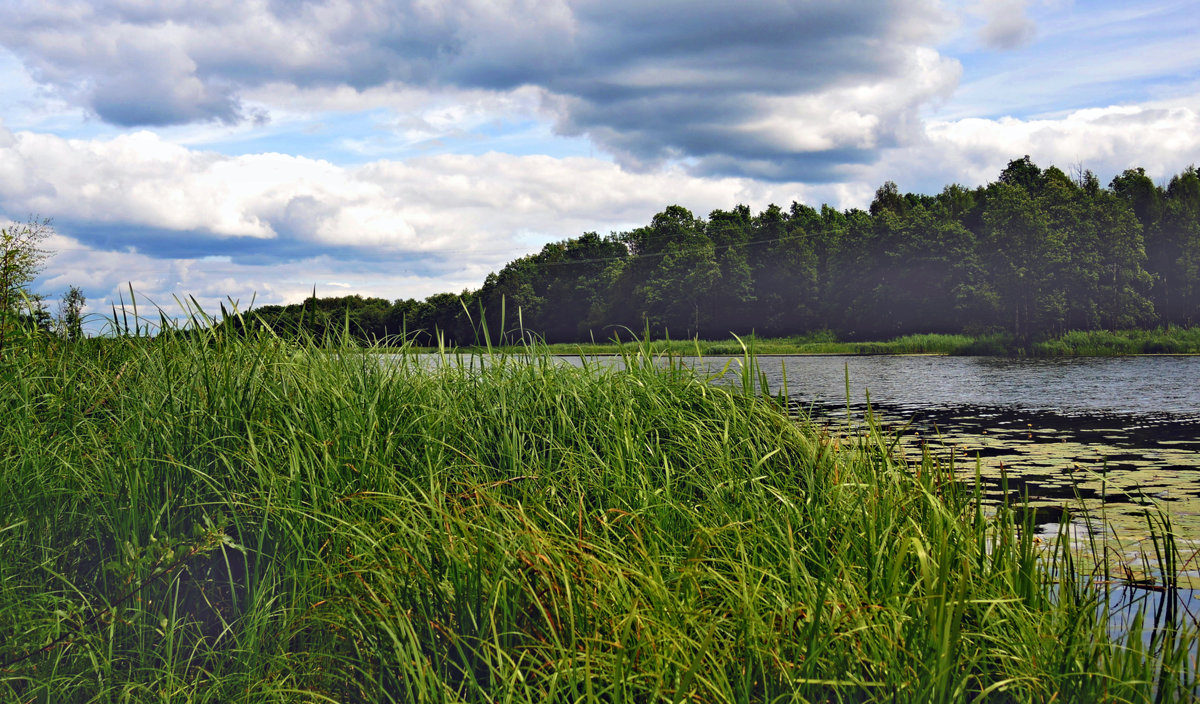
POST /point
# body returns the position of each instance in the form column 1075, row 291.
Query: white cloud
column 171, row 284
column 423, row 204
column 171, row 220
column 1162, row 137
column 866, row 116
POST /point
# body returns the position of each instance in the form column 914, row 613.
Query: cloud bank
column 731, row 89
column 399, row 149
column 1007, row 24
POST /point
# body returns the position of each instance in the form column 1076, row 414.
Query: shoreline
column 1176, row 342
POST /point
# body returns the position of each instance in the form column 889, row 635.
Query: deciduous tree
column 21, row 259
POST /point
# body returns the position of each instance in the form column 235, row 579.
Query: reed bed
column 1076, row 343
column 213, row 518
column 1175, row 340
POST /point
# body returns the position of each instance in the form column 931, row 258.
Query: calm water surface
column 1122, row 385
column 1105, row 438
column 1123, row 430
column 1107, row 434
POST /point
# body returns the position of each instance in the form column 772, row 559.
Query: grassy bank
column 823, row 342
column 212, row 519
column 1093, row 343
column 1106, row 343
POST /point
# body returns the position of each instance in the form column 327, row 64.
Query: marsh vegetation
column 239, row 518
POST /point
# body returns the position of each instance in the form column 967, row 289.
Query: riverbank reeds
column 218, row 518
column 820, row 342
column 1078, row 343
column 1100, row 343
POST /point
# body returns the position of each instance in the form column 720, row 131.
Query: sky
column 255, row 150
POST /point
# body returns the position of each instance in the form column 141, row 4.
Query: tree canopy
column 1032, row 254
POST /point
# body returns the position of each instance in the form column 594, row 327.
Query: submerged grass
column 209, row 518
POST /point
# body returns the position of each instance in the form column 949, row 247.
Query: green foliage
column 1122, row 342
column 70, row 313
column 227, row 516
column 21, row 258
column 1031, row 256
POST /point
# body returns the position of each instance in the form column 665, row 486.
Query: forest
column 1033, row 254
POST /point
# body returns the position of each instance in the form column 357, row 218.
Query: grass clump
column 1123, row 342
column 209, row 518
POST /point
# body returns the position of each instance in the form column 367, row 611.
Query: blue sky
column 254, row 149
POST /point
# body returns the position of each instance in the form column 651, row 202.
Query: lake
column 1112, row 431
column 1105, row 437
column 1149, row 385
column 1105, row 434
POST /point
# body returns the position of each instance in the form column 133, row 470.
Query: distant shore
column 1077, row 343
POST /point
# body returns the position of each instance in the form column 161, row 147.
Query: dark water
column 1120, row 431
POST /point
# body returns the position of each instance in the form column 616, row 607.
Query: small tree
column 21, row 259
column 70, row 313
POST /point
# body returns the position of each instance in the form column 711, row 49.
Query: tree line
column 1033, row 254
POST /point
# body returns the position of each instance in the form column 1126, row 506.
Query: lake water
column 1106, row 438
column 1114, row 385
column 1114, row 432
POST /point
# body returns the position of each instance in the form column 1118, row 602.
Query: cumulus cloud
column 1162, row 137
column 107, row 277
column 172, row 220
column 144, row 183
column 650, row 82
column 1007, row 26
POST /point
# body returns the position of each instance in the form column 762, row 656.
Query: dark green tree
column 1021, row 252
column 1180, row 236
column 70, row 313
column 674, row 269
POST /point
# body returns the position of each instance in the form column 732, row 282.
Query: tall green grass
column 210, row 518
column 1124, row 342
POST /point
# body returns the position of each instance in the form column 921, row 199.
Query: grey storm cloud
column 1007, row 27
column 650, row 82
